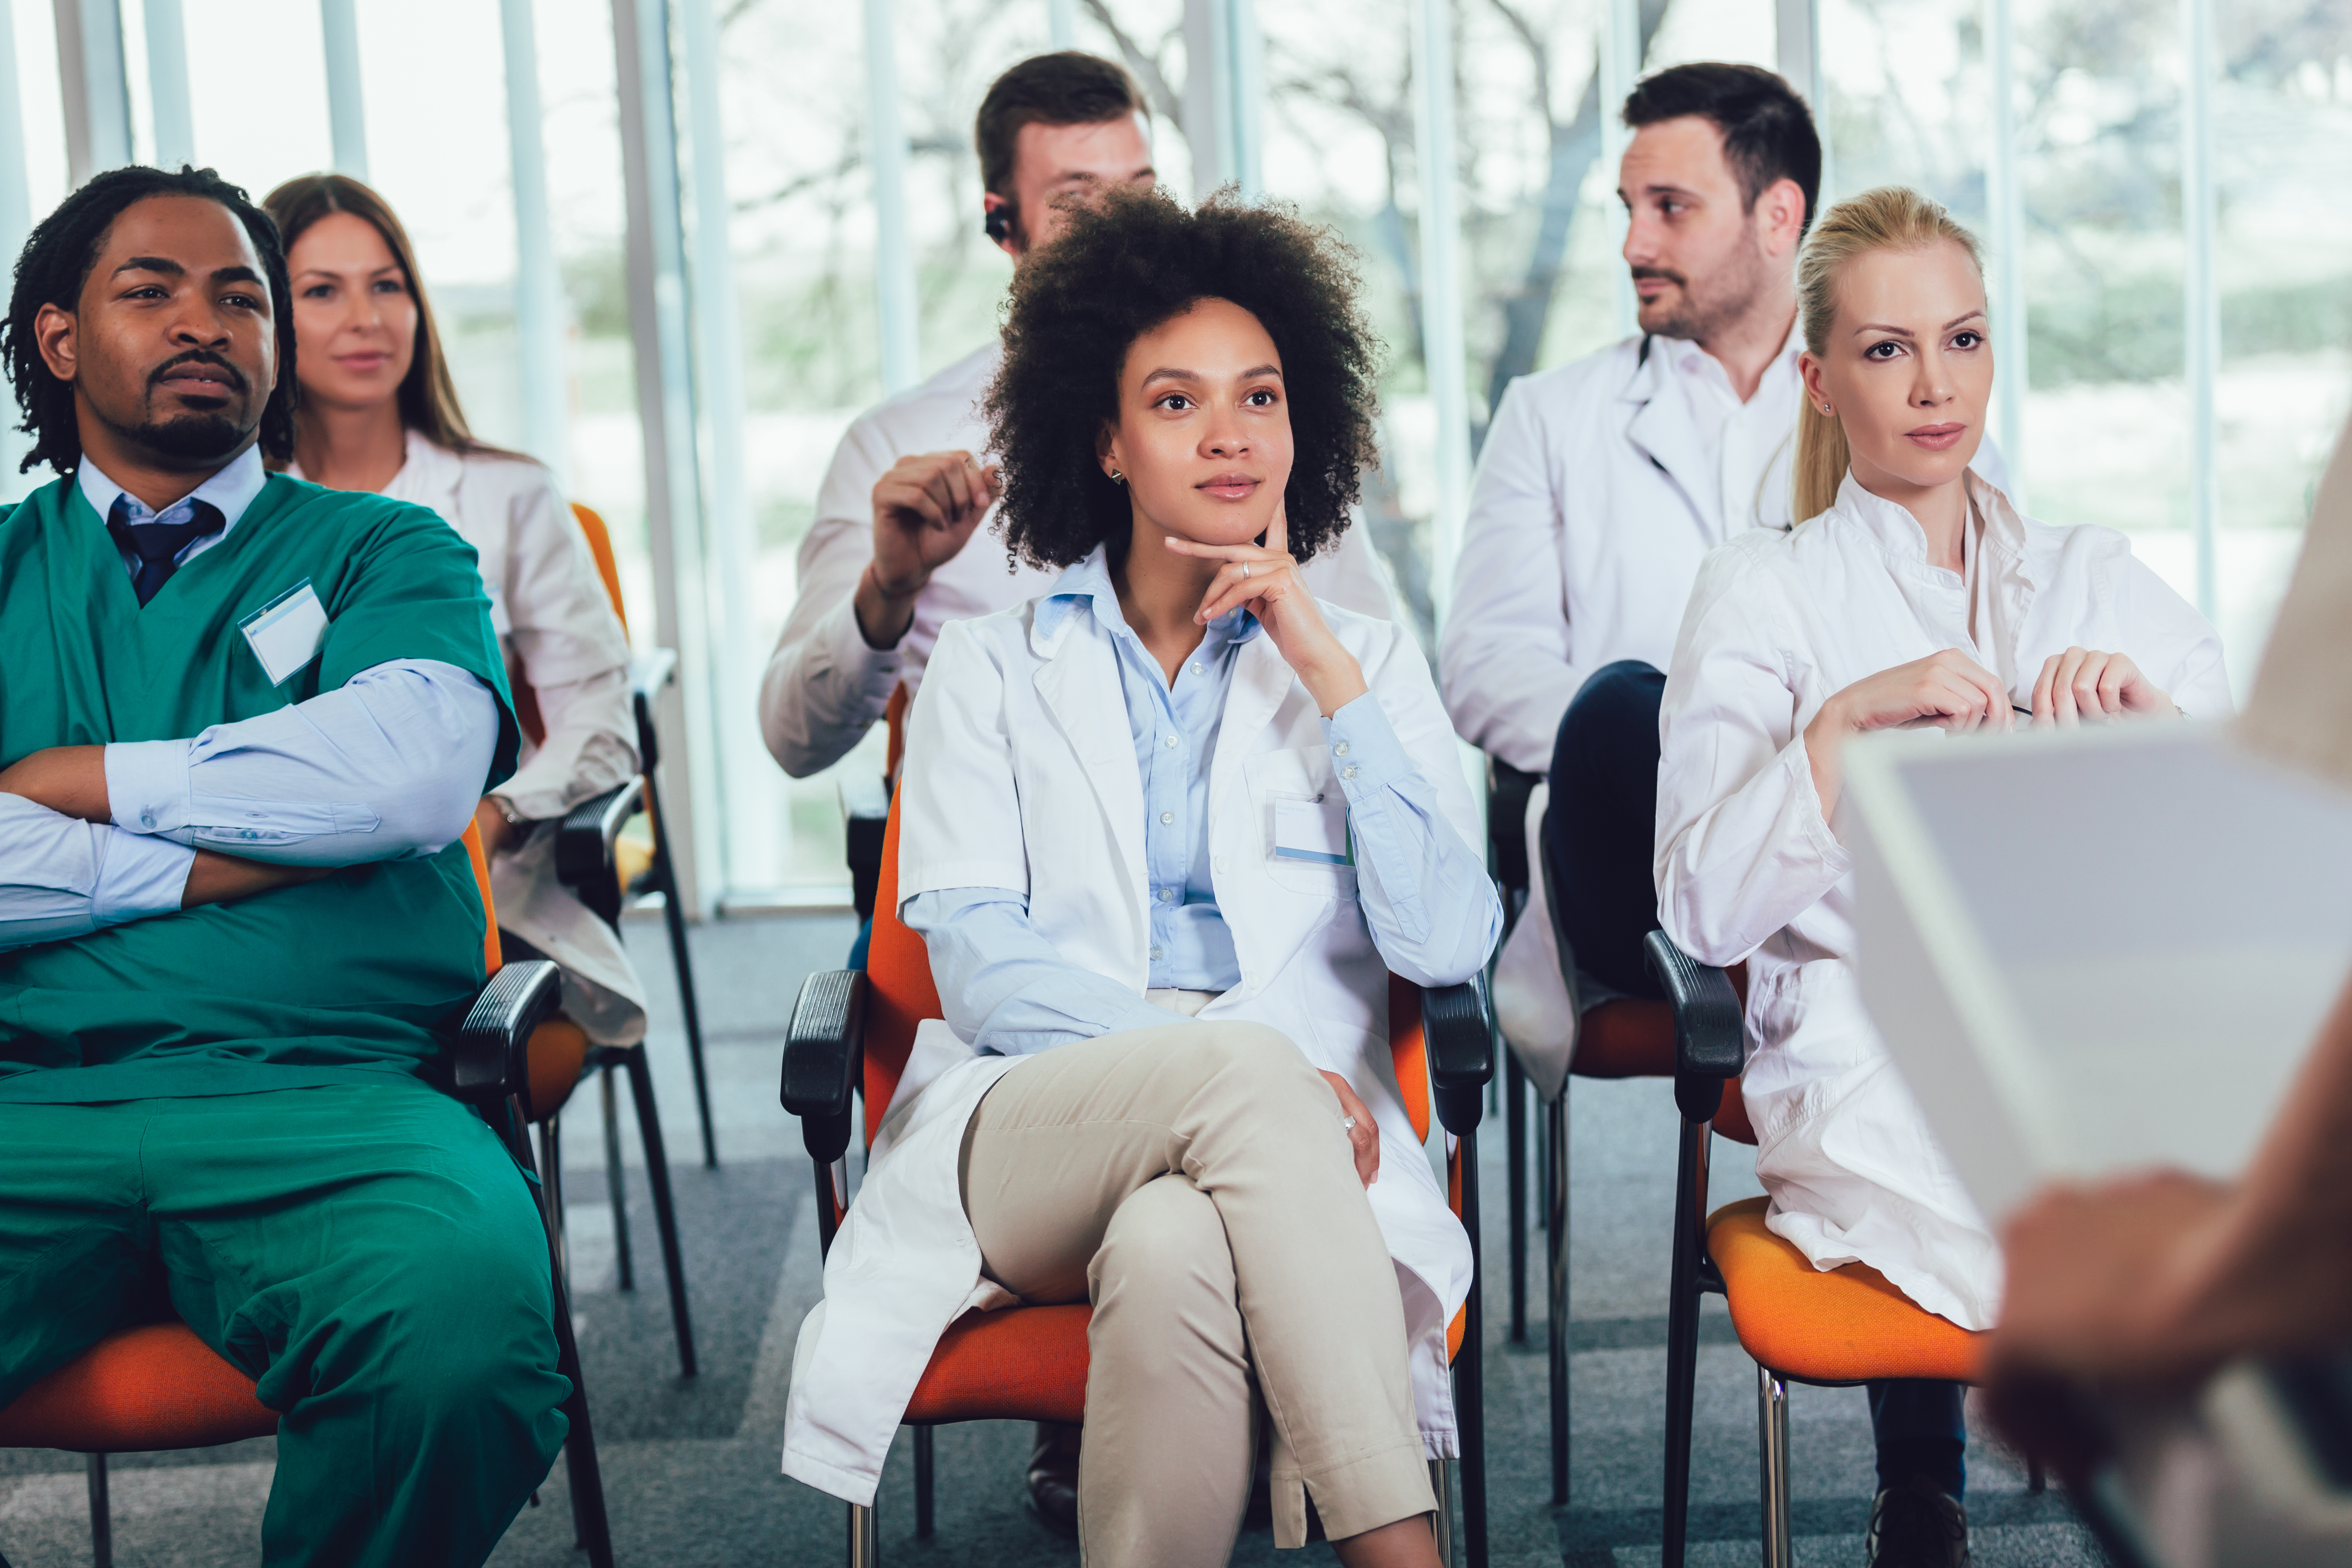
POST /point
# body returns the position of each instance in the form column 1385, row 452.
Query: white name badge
column 286, row 633
column 1314, row 830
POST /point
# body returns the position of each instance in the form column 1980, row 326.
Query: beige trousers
column 1195, row 1185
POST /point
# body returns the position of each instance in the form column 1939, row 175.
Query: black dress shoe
column 1918, row 1527
column 1054, row 1477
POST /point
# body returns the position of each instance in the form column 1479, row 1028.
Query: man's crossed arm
column 387, row 766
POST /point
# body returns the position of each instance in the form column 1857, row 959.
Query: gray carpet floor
column 690, row 1465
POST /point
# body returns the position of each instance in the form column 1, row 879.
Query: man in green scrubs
column 244, row 722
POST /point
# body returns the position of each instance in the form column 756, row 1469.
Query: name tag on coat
column 1313, row 830
column 287, row 633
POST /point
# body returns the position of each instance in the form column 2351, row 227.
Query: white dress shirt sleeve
column 387, row 766
column 824, row 686
column 62, row 877
column 574, row 653
column 1503, row 657
column 1742, row 846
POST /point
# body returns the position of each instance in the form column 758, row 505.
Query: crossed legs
column 1194, row 1184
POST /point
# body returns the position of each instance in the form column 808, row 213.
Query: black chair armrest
column 1710, row 1034
column 1507, row 815
column 583, row 844
column 864, row 814
column 1457, row 1024
column 491, row 1058
column 823, row 1053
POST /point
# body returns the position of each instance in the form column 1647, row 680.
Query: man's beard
column 1705, row 313
column 191, row 438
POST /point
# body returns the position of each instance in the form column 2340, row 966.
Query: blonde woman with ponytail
column 1913, row 593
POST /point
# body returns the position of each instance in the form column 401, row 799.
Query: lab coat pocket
column 1301, row 820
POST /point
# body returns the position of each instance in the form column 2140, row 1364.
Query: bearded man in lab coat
column 890, row 557
column 1602, row 486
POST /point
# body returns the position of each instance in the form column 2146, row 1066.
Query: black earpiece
column 998, row 224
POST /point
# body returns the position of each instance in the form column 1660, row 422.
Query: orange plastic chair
column 605, row 870
column 1798, row 1323
column 854, row 1030
column 157, row 1386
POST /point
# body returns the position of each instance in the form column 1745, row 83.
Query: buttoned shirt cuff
column 1366, row 755
column 147, row 784
column 138, row 876
column 853, row 655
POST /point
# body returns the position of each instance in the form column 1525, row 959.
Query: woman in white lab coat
column 378, row 411
column 1166, row 830
column 1914, row 594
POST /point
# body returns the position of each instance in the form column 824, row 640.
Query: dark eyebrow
column 239, row 274
column 151, row 264
column 1166, row 374
column 1261, row 370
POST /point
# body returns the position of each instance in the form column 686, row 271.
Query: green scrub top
column 346, row 979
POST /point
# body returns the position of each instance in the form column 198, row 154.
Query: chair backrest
column 608, row 566
column 899, row 995
column 491, row 958
column 894, row 716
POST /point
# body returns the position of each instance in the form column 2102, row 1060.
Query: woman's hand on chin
column 1265, row 581
column 2086, row 686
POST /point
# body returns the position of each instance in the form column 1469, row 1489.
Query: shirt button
column 1198, row 670
column 1167, row 895
column 1349, row 771
column 1171, row 742
column 146, row 819
column 1155, row 955
column 1166, row 817
column 1341, row 749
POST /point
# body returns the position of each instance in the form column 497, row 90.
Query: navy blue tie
column 158, row 545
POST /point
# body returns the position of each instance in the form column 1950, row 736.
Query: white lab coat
column 1599, row 493
column 1748, row 869
column 559, row 636
column 1021, row 775
column 825, row 687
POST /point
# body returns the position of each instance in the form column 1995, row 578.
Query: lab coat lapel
column 1661, row 431
column 1079, row 686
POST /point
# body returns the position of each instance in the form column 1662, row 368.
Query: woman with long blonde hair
column 1914, row 593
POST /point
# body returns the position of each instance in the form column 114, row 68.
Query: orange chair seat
column 1633, row 1039
column 1848, row 1325
column 156, row 1386
column 1018, row 1363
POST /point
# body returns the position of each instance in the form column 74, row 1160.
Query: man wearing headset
column 884, row 563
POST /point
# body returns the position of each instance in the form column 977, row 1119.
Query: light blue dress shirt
column 1427, row 896
column 386, row 766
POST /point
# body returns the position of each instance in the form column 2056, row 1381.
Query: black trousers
column 1600, row 832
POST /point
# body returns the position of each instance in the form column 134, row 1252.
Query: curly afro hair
column 1125, row 265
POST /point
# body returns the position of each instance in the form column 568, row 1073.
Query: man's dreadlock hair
column 55, row 265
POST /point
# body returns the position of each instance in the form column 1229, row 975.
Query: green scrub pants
column 369, row 1254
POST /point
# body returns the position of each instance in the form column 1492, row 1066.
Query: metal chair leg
column 1441, row 1481
column 588, row 1518
column 641, row 1090
column 102, row 1515
column 617, row 1183
column 665, row 876
column 1515, row 1134
column 551, row 1167
column 924, row 1483
column 1469, row 1369
column 1556, row 1312
column 1772, row 1422
column 1681, row 1335
column 865, row 1551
